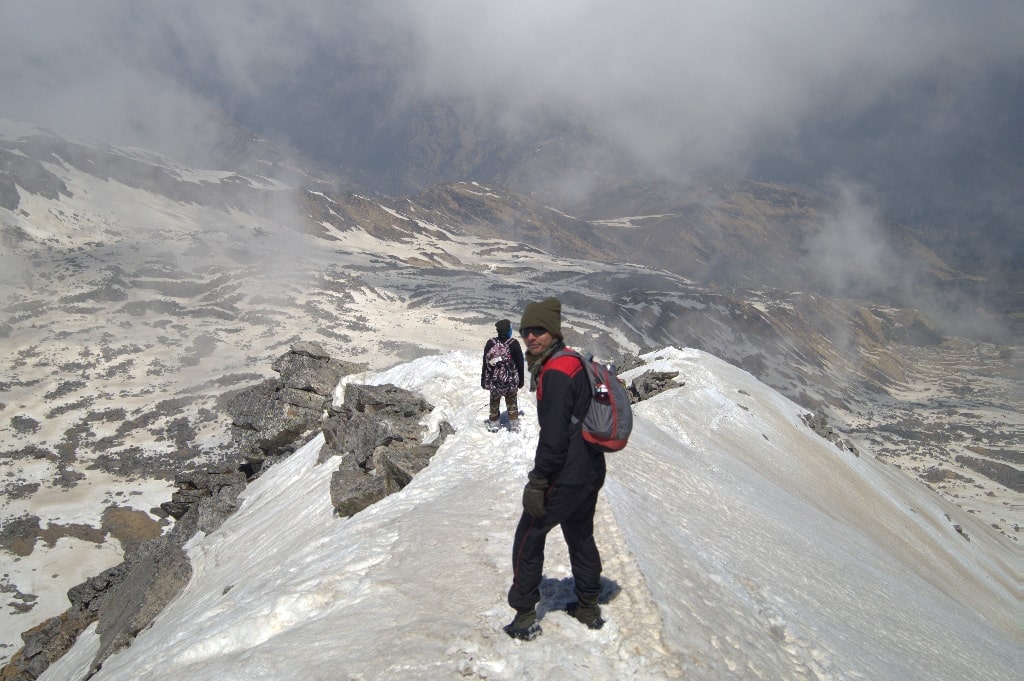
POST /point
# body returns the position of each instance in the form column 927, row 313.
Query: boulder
column 353, row 489
column 274, row 418
column 651, row 383
column 377, row 433
column 819, row 424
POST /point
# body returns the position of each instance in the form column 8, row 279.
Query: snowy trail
column 478, row 550
column 412, row 588
column 737, row 544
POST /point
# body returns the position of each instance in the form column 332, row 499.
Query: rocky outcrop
column 273, row 419
column 124, row 599
column 48, row 641
column 377, row 433
column 819, row 424
column 650, row 383
column 17, row 169
column 221, row 485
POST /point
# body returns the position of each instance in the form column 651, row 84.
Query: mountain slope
column 137, row 292
column 737, row 544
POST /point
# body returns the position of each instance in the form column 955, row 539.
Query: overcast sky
column 661, row 77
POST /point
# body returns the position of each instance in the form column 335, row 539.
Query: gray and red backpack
column 609, row 421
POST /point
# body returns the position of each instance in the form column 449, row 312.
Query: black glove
column 533, row 497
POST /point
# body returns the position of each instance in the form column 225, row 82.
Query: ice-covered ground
column 737, row 545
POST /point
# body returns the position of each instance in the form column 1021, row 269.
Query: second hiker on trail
column 502, row 374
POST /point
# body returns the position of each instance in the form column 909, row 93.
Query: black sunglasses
column 532, row 331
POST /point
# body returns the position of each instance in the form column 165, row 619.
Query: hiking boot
column 514, row 425
column 493, row 426
column 587, row 612
column 528, row 634
column 524, row 626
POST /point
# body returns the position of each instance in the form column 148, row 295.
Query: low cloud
column 852, row 253
column 672, row 84
column 916, row 100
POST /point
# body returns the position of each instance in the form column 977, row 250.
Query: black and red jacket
column 563, row 457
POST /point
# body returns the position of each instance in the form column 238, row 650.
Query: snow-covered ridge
column 129, row 312
column 736, row 543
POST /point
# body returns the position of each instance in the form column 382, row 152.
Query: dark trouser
column 573, row 509
column 511, row 403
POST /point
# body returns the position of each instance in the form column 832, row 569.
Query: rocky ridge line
column 376, row 432
column 269, row 422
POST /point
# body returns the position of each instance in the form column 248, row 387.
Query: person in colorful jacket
column 502, row 374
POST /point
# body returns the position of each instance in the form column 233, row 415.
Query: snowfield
column 737, row 544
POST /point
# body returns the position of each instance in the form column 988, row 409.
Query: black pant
column 573, row 509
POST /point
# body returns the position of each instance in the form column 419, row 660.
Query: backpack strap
column 586, row 370
column 575, row 353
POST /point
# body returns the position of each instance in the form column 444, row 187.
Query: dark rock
column 651, row 383
column 19, row 535
column 355, row 434
column 311, row 349
column 819, row 424
column 310, row 369
column 1006, row 475
column 19, row 170
column 47, row 642
column 24, row 424
column 398, row 466
column 376, row 432
column 194, row 486
column 386, row 400
column 20, row 490
column 629, row 362
column 372, row 416
column 67, row 477
column 353, row 490
column 302, row 399
column 156, row 576
column 936, row 474
column 274, row 418
column 153, row 575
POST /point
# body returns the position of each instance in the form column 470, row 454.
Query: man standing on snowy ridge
column 567, row 475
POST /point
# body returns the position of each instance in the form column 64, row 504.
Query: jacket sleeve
column 483, row 362
column 518, row 360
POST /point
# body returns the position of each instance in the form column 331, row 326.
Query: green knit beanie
column 547, row 314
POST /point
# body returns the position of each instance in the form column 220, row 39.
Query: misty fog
column 915, row 103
